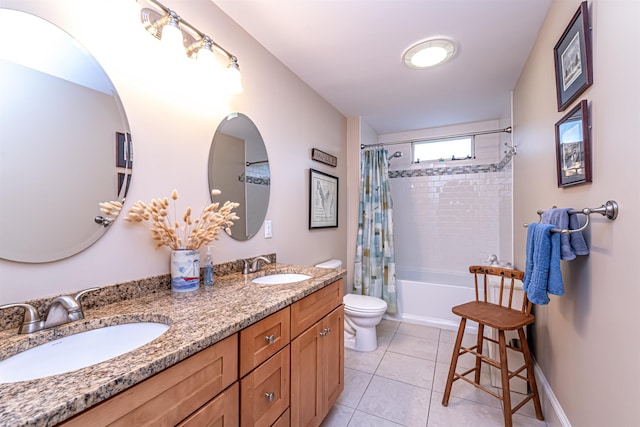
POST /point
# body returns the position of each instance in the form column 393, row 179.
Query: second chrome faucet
column 252, row 265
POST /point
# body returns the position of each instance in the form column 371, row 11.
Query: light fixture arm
column 196, row 38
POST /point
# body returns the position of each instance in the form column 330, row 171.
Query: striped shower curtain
column 375, row 269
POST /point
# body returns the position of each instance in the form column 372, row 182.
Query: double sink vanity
column 251, row 350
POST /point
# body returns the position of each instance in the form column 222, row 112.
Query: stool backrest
column 508, row 277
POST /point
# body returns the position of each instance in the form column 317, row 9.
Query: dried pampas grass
column 193, row 232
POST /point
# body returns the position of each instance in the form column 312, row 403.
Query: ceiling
column 350, row 52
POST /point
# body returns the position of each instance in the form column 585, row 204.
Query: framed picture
column 573, row 59
column 323, row 200
column 123, row 150
column 573, row 147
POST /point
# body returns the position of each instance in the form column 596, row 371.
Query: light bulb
column 234, row 80
column 430, row 56
column 172, row 36
column 208, row 62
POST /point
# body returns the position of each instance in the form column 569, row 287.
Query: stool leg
column 530, row 374
column 504, row 371
column 479, row 351
column 454, row 362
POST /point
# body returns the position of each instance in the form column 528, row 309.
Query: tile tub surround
column 198, row 319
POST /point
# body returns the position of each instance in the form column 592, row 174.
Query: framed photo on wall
column 323, row 200
column 573, row 147
column 573, row 59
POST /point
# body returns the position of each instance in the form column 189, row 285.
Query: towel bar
column 609, row 209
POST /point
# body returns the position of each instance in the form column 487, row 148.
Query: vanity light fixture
column 429, row 53
column 166, row 25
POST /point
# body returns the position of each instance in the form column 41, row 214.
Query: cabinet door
column 333, row 357
column 221, row 411
column 306, row 378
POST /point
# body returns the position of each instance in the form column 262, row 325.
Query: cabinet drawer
column 264, row 393
column 262, row 340
column 283, row 421
column 171, row 395
column 221, row 411
column 310, row 309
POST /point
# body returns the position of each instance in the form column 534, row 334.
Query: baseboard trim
column 549, row 396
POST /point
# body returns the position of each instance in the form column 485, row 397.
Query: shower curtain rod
column 434, row 138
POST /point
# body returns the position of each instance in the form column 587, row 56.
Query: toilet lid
column 364, row 303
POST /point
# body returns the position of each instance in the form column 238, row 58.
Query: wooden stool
column 502, row 318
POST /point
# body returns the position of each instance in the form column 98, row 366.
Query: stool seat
column 493, row 315
column 501, row 317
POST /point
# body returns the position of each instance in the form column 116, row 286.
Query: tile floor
column 402, row 382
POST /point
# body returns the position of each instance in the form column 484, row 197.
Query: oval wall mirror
column 65, row 149
column 239, row 167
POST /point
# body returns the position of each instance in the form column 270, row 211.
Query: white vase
column 185, row 270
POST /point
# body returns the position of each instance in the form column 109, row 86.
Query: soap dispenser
column 208, row 268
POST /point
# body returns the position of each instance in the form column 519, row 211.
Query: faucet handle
column 81, row 293
column 31, row 321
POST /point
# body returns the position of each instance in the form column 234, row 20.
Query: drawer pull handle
column 270, row 396
column 323, row 333
column 270, row 339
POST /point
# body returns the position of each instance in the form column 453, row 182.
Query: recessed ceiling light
column 429, row 53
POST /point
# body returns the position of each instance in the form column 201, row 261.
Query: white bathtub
column 426, row 297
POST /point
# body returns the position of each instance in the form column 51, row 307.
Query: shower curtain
column 375, row 270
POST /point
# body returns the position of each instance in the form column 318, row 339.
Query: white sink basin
column 280, row 279
column 78, row 351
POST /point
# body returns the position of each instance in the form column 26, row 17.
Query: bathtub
column 426, row 297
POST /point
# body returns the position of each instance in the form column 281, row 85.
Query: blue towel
column 542, row 273
column 572, row 244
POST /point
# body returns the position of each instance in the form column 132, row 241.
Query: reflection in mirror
column 239, row 167
column 65, row 150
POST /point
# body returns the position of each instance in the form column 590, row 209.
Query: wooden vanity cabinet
column 317, row 355
column 174, row 394
column 257, row 377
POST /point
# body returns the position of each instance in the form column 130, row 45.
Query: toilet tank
column 332, row 263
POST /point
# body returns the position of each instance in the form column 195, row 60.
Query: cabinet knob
column 270, row 396
column 270, row 339
column 323, row 333
column 327, row 330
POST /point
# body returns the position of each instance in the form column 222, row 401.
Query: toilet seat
column 364, row 304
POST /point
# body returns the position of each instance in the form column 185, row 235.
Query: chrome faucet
column 63, row 309
column 252, row 265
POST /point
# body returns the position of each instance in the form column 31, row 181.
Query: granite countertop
column 197, row 320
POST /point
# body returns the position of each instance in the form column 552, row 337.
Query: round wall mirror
column 65, row 149
column 239, row 167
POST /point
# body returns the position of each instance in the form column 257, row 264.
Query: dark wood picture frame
column 573, row 59
column 123, row 150
column 573, row 146
column 323, row 200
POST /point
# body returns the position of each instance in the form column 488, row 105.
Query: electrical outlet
column 267, row 229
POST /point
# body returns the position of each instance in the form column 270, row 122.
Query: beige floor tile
column 421, row 331
column 414, row 346
column 355, row 384
column 362, row 419
column 462, row 412
column 407, row 369
column 464, row 390
column 338, row 416
column 395, row 401
column 363, row 361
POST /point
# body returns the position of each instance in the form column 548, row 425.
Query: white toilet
column 362, row 314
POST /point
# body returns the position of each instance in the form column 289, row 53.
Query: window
column 443, row 149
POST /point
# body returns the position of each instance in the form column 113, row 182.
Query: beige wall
column 173, row 116
column 586, row 341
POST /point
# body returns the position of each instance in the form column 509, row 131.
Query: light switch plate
column 267, row 229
